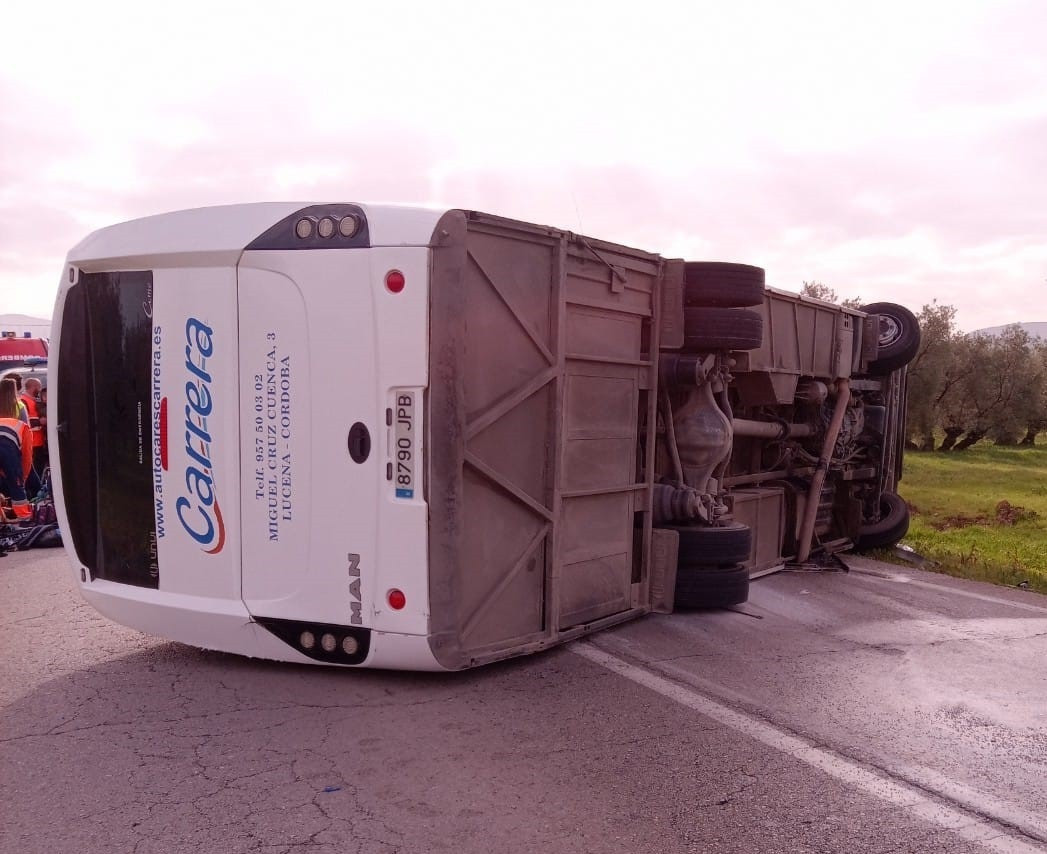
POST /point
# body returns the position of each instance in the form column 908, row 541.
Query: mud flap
column 665, row 544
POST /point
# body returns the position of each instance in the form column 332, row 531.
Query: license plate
column 403, row 444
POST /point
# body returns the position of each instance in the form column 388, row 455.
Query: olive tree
column 961, row 402
column 930, row 379
column 821, row 291
column 994, row 390
column 1031, row 406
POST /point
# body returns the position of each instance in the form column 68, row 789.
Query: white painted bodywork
column 343, row 345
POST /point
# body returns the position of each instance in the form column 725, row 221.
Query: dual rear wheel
column 709, row 572
column 718, row 316
column 718, row 300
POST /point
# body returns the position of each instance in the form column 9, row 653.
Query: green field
column 957, row 519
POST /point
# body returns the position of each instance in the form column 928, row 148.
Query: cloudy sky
column 891, row 150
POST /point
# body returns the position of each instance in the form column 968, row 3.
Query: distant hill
column 1036, row 330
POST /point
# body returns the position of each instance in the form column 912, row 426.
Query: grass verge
column 958, row 519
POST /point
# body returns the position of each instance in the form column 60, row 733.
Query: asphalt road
column 877, row 710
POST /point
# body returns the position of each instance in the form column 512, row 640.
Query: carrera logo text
column 198, row 511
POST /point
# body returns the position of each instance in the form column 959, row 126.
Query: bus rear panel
column 239, row 430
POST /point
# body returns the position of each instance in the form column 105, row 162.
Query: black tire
column 708, row 329
column 725, row 545
column 715, row 283
column 711, row 588
column 899, row 336
column 893, row 525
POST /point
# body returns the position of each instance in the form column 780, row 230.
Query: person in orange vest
column 23, row 413
column 45, row 451
column 31, row 399
column 16, row 450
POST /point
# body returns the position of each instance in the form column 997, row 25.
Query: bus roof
column 217, row 235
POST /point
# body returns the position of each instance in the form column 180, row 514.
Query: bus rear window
column 103, row 411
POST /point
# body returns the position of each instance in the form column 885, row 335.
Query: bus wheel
column 725, row 545
column 719, row 284
column 899, row 336
column 710, row 587
column 708, row 329
column 893, row 525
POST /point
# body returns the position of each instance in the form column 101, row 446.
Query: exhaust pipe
column 843, row 397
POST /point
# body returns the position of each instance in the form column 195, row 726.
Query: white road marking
column 971, row 827
column 901, row 578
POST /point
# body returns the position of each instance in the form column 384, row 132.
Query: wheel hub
column 890, row 330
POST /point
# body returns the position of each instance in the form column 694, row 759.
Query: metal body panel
column 540, row 349
column 763, row 510
column 803, row 337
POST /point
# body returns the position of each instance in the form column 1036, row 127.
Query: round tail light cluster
column 326, row 227
column 334, row 226
column 322, row 641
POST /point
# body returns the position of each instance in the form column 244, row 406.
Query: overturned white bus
column 429, row 439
